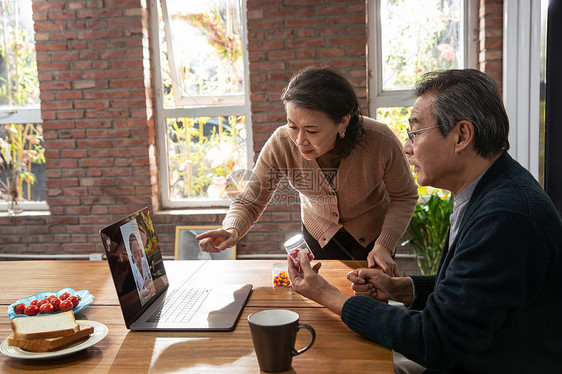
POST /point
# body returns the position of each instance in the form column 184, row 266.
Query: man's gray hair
column 472, row 96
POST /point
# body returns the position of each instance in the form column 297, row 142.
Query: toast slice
column 52, row 344
column 44, row 327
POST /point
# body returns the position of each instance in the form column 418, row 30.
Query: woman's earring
column 342, row 135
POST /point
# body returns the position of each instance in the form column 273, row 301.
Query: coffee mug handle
column 313, row 335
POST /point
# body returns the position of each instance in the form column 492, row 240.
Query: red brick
column 94, row 144
column 349, row 18
column 306, row 43
column 282, row 54
column 265, row 24
column 123, row 3
column 41, row 7
column 74, row 153
column 67, row 75
column 331, row 52
column 54, row 86
column 55, row 105
column 494, row 9
column 299, row 3
column 127, row 83
column 50, row 47
column 70, row 114
column 64, row 15
column 108, row 133
column 307, row 22
column 65, row 56
column 99, row 13
column 267, row 45
column 97, row 105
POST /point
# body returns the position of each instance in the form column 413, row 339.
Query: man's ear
column 464, row 133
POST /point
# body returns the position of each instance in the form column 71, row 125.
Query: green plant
column 428, row 230
column 196, row 158
column 21, row 147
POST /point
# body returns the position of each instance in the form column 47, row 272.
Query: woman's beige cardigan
column 374, row 193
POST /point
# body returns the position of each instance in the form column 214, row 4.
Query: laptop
column 148, row 301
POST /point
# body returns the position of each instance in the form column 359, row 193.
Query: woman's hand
column 382, row 257
column 215, row 241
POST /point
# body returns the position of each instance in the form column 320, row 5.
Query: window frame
column 179, row 98
column 21, row 115
column 15, row 114
column 194, row 111
column 403, row 98
column 521, row 80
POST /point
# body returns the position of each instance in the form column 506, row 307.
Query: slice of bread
column 52, row 344
column 44, row 327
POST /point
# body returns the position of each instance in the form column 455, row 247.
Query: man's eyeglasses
column 412, row 134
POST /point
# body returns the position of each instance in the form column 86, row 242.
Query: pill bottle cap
column 295, row 242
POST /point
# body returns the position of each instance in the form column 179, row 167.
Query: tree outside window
column 418, row 37
column 203, row 105
column 205, row 52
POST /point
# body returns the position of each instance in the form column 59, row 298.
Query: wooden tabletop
column 336, row 349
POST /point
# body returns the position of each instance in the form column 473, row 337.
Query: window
column 408, row 38
column 22, row 154
column 202, row 100
column 19, row 85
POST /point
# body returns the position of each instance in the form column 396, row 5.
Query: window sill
column 26, row 213
column 191, row 212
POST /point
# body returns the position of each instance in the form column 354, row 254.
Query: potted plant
column 428, row 230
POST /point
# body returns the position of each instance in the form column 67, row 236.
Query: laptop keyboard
column 181, row 306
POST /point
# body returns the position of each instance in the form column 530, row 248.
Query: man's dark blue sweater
column 495, row 305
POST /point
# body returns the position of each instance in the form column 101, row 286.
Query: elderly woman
column 356, row 189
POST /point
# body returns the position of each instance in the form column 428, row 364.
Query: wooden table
column 336, row 349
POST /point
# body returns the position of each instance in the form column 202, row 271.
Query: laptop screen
column 135, row 262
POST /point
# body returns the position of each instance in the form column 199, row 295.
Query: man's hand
column 378, row 285
column 382, row 257
column 307, row 282
column 370, row 282
column 215, row 241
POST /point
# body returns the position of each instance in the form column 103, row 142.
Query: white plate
column 100, row 331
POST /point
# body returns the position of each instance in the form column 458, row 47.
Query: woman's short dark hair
column 472, row 96
column 323, row 88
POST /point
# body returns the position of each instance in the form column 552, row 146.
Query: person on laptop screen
column 141, row 270
column 137, row 258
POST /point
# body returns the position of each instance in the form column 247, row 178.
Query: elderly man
column 495, row 305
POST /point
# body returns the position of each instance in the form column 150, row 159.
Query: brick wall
column 94, row 71
column 491, row 38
